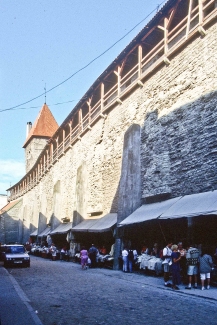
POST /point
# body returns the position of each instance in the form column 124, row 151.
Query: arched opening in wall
column 110, row 88
column 129, row 69
column 85, row 115
column 152, row 48
column 177, row 28
column 95, row 103
column 75, row 126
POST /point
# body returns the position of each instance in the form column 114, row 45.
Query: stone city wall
column 176, row 111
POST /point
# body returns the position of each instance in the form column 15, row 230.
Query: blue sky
column 45, row 42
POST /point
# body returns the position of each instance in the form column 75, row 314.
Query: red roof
column 44, row 126
column 8, row 206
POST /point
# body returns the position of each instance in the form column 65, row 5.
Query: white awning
column 148, row 212
column 84, row 225
column 105, row 223
column 45, row 232
column 34, row 233
column 97, row 225
column 193, row 205
column 62, row 228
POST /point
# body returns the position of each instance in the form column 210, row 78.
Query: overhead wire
column 87, row 65
column 10, row 109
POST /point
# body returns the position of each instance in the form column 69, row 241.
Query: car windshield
column 15, row 250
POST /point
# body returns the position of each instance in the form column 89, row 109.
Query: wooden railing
column 175, row 38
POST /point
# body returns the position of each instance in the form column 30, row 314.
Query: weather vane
column 45, row 94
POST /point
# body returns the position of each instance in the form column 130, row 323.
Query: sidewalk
column 13, row 299
column 158, row 282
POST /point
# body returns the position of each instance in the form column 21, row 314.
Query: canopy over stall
column 97, row 225
column 186, row 206
column 62, row 228
column 148, row 212
column 193, row 205
column 45, row 232
column 34, row 233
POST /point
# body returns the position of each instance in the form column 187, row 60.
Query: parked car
column 14, row 255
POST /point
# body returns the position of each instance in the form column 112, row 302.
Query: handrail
column 110, row 92
column 128, row 74
column 153, row 50
column 128, row 81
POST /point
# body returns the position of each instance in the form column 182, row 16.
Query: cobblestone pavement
column 62, row 294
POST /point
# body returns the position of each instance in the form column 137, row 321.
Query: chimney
column 28, row 128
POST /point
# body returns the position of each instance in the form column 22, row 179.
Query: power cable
column 88, row 64
column 10, row 109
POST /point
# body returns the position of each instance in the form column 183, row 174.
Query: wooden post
column 80, row 120
column 119, row 81
column 44, row 161
column 47, row 158
column 41, row 167
column 102, row 95
column 139, row 61
column 189, row 19
column 57, row 144
column 64, row 134
column 89, row 109
column 118, row 74
column 200, row 12
column 166, row 21
column 70, row 131
column 51, row 152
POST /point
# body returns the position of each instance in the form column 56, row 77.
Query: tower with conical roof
column 37, row 135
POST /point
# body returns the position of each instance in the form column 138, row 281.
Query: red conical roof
column 44, row 126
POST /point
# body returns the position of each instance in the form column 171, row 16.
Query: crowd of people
column 90, row 257
column 185, row 265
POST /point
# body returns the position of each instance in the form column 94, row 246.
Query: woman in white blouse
column 125, row 259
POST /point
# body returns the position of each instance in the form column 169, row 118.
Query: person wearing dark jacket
column 92, row 254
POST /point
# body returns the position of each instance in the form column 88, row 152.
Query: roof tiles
column 44, row 126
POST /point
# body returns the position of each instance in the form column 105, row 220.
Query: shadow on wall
column 42, row 222
column 128, row 193
column 77, row 218
column 178, row 149
column 171, row 155
column 178, row 156
column 54, row 222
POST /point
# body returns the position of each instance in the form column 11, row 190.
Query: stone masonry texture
column 176, row 111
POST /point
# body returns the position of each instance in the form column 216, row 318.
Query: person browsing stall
column 167, row 252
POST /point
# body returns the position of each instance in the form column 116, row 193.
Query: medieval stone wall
column 14, row 223
column 176, row 111
column 33, row 150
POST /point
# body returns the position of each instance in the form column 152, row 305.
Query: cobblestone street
column 62, row 294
